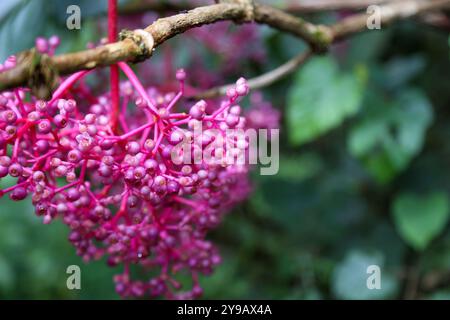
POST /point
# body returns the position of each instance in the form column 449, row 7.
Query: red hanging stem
column 114, row 69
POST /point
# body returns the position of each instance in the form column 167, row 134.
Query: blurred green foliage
column 419, row 219
column 321, row 98
column 364, row 177
column 34, row 258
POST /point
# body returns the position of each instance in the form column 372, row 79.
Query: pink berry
column 60, row 121
column 133, row 147
column 18, row 194
column 41, row 45
column 44, row 126
column 54, row 41
column 181, row 75
column 15, row 170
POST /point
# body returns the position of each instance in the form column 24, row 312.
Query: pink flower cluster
column 262, row 115
column 215, row 38
column 116, row 187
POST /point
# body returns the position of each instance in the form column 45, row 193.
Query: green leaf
column 391, row 133
column 401, row 70
column 440, row 295
column 26, row 19
column 321, row 98
column 419, row 219
column 349, row 279
column 360, row 52
column 7, row 275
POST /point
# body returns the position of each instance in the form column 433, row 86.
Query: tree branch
column 163, row 29
column 295, row 6
column 389, row 13
column 436, row 19
column 346, row 27
column 311, row 6
column 133, row 48
column 317, row 36
column 263, row 80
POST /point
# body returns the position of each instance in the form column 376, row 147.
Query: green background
column 364, row 174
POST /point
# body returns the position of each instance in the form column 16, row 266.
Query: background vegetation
column 364, row 173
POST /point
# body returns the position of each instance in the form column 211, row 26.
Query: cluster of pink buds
column 47, row 46
column 262, row 115
column 111, row 176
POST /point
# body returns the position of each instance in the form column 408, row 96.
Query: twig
column 163, row 29
column 240, row 11
column 295, row 6
column 264, row 80
column 310, row 6
column 436, row 19
column 389, row 13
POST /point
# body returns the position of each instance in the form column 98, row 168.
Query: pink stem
column 135, row 131
column 137, row 84
column 114, row 70
column 222, row 109
column 66, row 84
column 175, row 100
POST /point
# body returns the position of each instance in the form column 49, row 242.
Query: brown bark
column 319, row 37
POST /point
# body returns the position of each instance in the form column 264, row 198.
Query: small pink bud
column 231, row 92
column 41, row 45
column 181, row 75
column 54, row 41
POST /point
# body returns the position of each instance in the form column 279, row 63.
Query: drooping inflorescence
column 127, row 191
